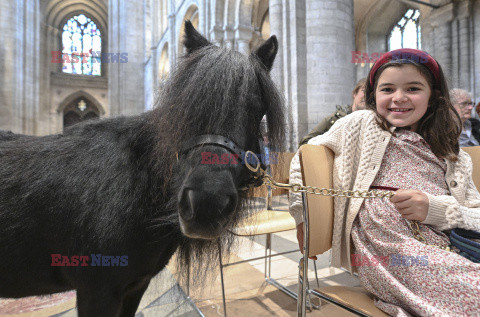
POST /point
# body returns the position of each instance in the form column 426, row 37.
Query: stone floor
column 247, row 293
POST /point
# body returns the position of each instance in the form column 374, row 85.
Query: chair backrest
column 280, row 169
column 474, row 152
column 317, row 170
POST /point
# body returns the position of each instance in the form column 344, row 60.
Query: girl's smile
column 402, row 96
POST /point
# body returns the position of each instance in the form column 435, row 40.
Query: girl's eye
column 386, row 89
column 414, row 89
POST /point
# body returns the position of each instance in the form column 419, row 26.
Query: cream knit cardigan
column 359, row 145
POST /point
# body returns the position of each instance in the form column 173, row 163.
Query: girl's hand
column 411, row 204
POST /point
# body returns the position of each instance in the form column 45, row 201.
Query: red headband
column 411, row 55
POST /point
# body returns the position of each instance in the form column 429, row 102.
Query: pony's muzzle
column 203, row 214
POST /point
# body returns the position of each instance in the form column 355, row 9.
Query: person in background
column 462, row 102
column 358, row 96
column 477, row 109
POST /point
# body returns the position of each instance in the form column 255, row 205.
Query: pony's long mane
column 208, row 90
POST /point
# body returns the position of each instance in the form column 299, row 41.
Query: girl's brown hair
column 440, row 126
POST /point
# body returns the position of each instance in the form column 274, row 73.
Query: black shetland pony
column 102, row 207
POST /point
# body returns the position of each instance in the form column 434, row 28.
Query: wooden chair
column 267, row 222
column 474, row 152
column 317, row 170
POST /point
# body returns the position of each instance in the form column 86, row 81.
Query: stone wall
column 448, row 33
column 313, row 68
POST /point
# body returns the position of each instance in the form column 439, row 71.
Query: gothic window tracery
column 406, row 33
column 81, row 46
column 80, row 109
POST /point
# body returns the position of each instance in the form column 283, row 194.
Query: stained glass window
column 406, row 33
column 82, row 46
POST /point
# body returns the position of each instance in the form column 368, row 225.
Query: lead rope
column 366, row 194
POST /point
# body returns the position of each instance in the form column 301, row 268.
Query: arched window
column 80, row 109
column 192, row 15
column 82, row 46
column 164, row 64
column 406, row 33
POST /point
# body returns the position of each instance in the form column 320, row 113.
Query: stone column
column 7, row 65
column 19, row 65
column 476, row 51
column 464, row 66
column 465, row 45
column 172, row 42
column 440, row 38
column 455, row 55
column 228, row 36
column 330, row 41
column 126, row 80
column 287, row 22
column 243, row 34
column 275, row 12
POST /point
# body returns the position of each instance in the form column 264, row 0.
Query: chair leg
column 316, row 274
column 302, row 289
column 266, row 255
column 269, row 248
column 188, row 280
column 221, row 279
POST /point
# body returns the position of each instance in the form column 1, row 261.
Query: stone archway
column 164, row 64
column 80, row 109
column 193, row 16
column 79, row 106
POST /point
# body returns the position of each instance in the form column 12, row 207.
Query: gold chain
column 417, row 234
column 298, row 188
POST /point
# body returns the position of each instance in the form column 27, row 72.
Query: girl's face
column 402, row 96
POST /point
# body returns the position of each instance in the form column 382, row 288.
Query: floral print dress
column 407, row 276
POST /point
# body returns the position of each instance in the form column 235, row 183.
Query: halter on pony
column 255, row 172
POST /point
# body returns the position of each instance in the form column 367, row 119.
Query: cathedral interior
column 66, row 61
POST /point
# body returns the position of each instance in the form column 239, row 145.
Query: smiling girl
column 407, row 142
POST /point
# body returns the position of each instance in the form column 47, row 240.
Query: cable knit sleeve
column 333, row 139
column 445, row 212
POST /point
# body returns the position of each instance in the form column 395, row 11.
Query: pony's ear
column 193, row 40
column 267, row 52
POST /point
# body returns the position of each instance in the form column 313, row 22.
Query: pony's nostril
column 188, row 212
column 223, row 203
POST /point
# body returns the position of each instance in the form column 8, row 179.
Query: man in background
column 462, row 102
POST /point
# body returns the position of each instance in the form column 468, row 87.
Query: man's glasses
column 466, row 104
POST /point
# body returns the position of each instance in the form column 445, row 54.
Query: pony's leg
column 132, row 300
column 93, row 302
